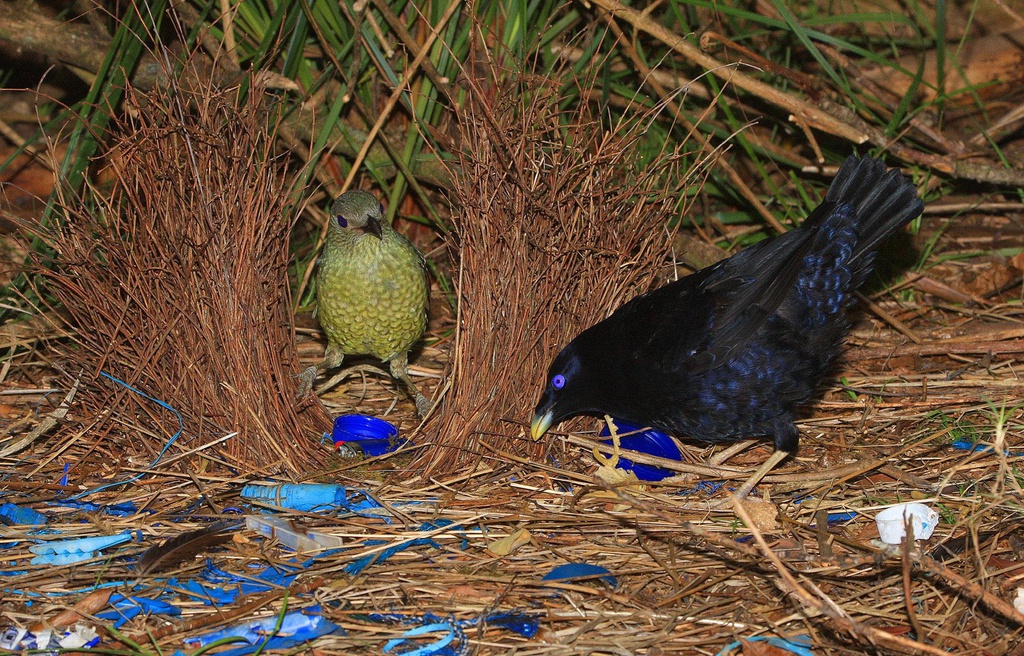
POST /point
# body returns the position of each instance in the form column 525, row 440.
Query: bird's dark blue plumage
column 729, row 352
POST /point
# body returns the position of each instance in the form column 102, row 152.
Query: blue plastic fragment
column 67, row 552
column 708, row 487
column 127, row 608
column 521, row 623
column 574, row 571
column 296, row 627
column 799, row 645
column 968, row 445
column 15, row 515
column 358, row 566
column 115, row 509
column 451, row 632
column 651, row 442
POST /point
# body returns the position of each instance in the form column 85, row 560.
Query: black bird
column 729, row 352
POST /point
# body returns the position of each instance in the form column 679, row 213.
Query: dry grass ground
column 456, row 531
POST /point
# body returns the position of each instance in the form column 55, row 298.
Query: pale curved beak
column 540, row 425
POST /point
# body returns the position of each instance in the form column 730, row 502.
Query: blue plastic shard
column 15, row 515
column 574, row 571
column 357, row 566
column 126, row 509
column 296, row 627
column 969, row 445
column 799, row 645
column 453, row 642
column 127, row 608
column 450, row 632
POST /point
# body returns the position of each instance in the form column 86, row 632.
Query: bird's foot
column 423, row 405
column 306, row 378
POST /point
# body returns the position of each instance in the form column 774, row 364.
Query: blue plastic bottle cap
column 355, row 428
column 652, row 442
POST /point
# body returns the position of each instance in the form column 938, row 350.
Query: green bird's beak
column 541, row 424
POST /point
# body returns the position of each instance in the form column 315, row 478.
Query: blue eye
column 558, row 382
column 382, row 209
column 342, row 222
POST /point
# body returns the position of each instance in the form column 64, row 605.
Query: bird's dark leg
column 332, row 359
column 400, row 370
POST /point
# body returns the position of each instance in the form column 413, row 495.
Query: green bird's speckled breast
column 371, row 293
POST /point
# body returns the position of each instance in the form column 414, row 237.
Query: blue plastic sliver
column 362, row 435
column 799, row 645
column 573, row 571
column 448, row 630
column 651, row 442
column 296, row 627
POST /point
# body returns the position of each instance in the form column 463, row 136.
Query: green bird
column 371, row 292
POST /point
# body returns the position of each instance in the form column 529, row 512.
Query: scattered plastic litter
column 291, row 534
column 651, row 442
column 891, row 529
column 80, row 636
column 1018, row 603
column 296, row 627
column 14, row 515
column 799, row 645
column 67, row 552
column 574, row 571
column 359, row 436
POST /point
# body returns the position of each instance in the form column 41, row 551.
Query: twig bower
column 559, row 220
column 173, row 278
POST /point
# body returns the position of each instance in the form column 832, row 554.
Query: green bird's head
column 358, row 210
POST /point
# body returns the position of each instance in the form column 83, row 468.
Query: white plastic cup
column 891, row 522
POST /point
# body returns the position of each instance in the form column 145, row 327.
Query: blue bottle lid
column 362, row 435
column 652, row 442
column 354, row 428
